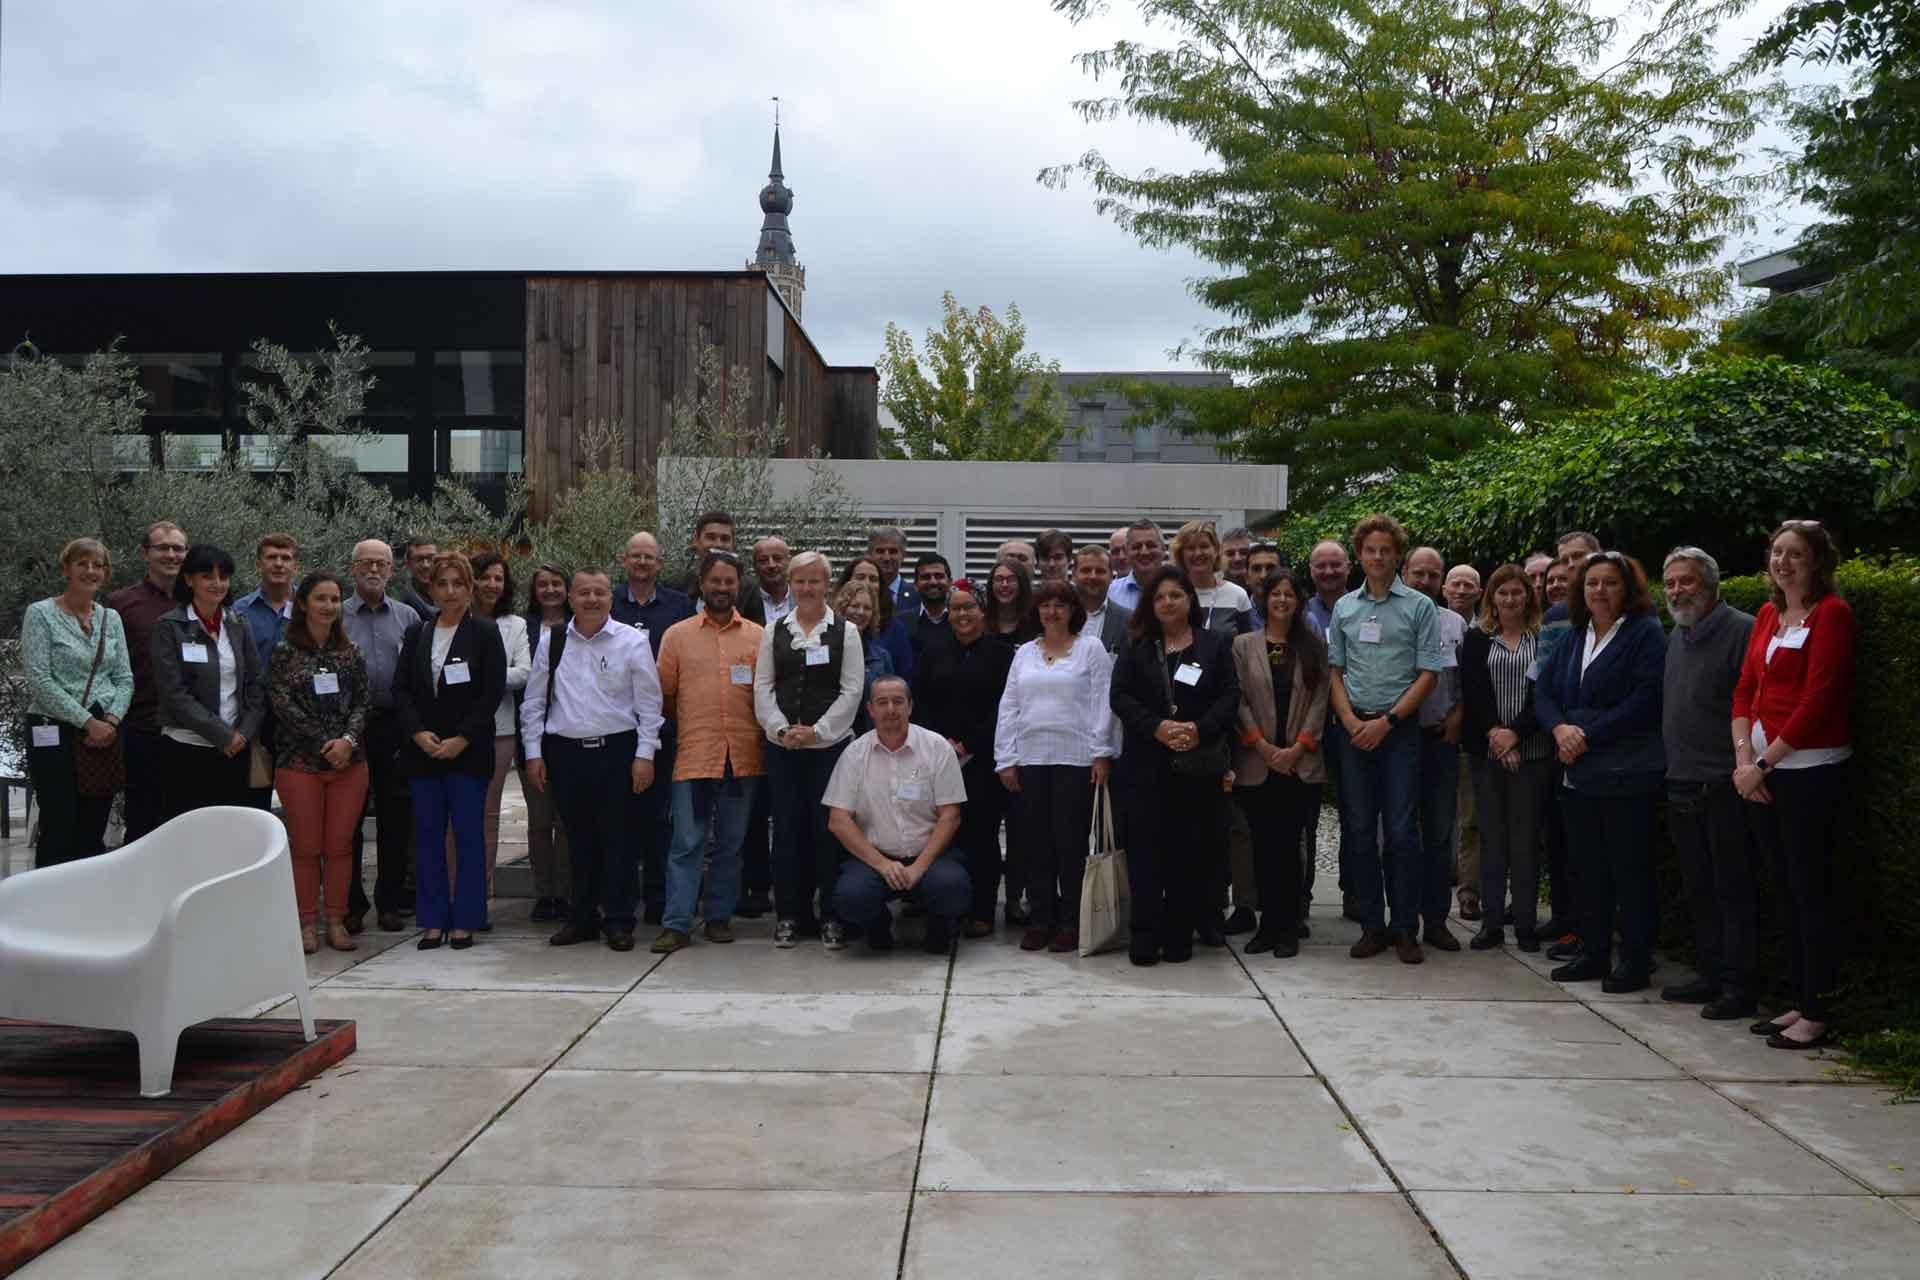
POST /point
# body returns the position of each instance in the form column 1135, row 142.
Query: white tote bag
column 1106, row 903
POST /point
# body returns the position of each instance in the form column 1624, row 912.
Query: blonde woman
column 1225, row 607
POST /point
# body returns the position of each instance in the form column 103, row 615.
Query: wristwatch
column 1763, row 764
column 1393, row 720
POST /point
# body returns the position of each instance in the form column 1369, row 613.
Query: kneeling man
column 894, row 801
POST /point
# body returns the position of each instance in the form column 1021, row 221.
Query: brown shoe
column 339, row 939
column 572, row 935
column 1372, row 943
column 1469, row 905
column 719, row 931
column 1065, row 940
column 1035, row 939
column 1407, row 947
column 309, row 939
column 1441, row 939
column 356, row 921
column 390, row 922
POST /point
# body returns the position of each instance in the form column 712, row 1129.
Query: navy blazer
column 463, row 710
column 1616, row 702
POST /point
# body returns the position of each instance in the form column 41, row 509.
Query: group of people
column 776, row 736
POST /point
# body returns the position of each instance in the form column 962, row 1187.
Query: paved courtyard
column 517, row 1110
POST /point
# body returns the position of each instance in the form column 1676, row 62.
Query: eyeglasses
column 168, row 548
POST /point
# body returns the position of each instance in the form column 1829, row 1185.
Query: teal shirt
column 1378, row 672
column 59, row 656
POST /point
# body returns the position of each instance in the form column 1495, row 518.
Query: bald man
column 1440, row 716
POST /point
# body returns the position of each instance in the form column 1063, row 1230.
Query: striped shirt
column 1508, row 669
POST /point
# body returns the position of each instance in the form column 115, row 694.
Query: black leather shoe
column 1565, row 951
column 1239, row 920
column 460, row 944
column 1285, row 949
column 429, row 944
column 1441, row 939
column 571, row 935
column 1488, row 938
column 619, row 939
column 1143, row 953
column 1528, row 942
column 1619, row 984
column 1729, row 1005
column 1826, row 1037
column 390, row 922
column 939, row 939
column 1261, row 941
column 1209, row 933
column 653, row 914
column 1699, row 991
column 1579, row 971
column 1372, row 942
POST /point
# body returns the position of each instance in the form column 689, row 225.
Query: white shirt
column 837, row 723
column 1445, row 694
column 1058, row 712
column 606, row 684
column 894, row 796
column 776, row 609
column 229, row 690
column 442, row 645
column 513, row 637
column 1595, row 643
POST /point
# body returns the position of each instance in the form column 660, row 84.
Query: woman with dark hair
column 858, row 603
column 317, row 682
column 547, row 607
column 1599, row 696
column 1791, row 746
column 1009, row 603
column 493, row 599
column 890, row 633
column 1277, row 770
column 1177, row 696
column 212, row 690
column 956, row 693
column 1509, row 756
column 447, row 685
column 1055, row 741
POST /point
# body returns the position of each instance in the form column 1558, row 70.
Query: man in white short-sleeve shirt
column 894, row 799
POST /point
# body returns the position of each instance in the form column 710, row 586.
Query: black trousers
column 1611, row 844
column 1278, row 813
column 1176, row 849
column 650, row 830
column 1055, row 803
column 806, row 856
column 1797, row 832
column 72, row 826
column 1708, row 823
column 756, row 850
column 1553, row 856
column 392, row 803
column 592, row 789
column 146, row 794
column 197, row 777
column 978, row 840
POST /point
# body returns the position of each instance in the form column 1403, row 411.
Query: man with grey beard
column 1705, row 815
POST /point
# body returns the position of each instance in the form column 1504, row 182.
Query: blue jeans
column 729, row 802
column 461, row 799
column 1382, row 784
column 1439, row 805
column 861, row 895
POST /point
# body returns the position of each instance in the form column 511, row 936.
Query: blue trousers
column 459, row 799
column 1375, row 786
column 725, row 804
column 1439, row 805
column 806, row 857
column 861, row 895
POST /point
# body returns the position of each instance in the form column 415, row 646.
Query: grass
column 1892, row 1055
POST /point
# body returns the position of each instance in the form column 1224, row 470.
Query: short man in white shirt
column 590, row 724
column 895, row 799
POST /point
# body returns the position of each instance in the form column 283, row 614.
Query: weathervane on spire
column 774, row 254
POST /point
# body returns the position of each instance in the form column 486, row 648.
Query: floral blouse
column 318, row 695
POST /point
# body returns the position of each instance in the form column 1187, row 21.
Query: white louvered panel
column 985, row 531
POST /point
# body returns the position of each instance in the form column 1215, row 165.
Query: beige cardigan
column 1256, row 712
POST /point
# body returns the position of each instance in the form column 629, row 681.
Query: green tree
column 1433, row 221
column 978, row 394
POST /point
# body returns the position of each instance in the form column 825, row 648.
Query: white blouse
column 513, row 638
column 1058, row 712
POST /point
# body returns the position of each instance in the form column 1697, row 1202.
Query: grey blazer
column 190, row 691
column 1113, row 627
column 1256, row 712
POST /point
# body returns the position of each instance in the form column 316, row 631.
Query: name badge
column 1796, row 638
column 817, row 655
column 46, row 735
column 1189, row 673
column 1370, row 632
column 457, row 673
column 193, row 653
column 326, row 682
column 909, row 791
column 741, row 673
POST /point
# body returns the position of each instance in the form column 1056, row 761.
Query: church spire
column 774, row 254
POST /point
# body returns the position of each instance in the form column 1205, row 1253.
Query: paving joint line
column 926, row 1115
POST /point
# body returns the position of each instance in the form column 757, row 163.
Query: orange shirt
column 706, row 678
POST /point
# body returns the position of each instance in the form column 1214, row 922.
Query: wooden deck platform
column 76, row 1137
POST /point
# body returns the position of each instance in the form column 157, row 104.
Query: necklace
column 84, row 623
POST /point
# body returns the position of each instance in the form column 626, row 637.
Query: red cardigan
column 1802, row 694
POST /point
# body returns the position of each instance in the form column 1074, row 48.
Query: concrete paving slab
column 808, row 969
column 274, row 1231
column 326, row 962
column 361, row 1124
column 727, row 1031
column 560, row 1233
column 1855, row 1126
column 1086, row 1035
column 1319, row 972
column 998, row 967
column 470, row 1028
column 1659, row 1237
column 712, row 1130
column 1363, row 1039
column 505, row 965
column 1657, row 1136
column 1056, row 1133
column 1141, row 1237
column 1719, row 1050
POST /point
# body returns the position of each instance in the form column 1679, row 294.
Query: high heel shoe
column 460, row 944
column 432, row 943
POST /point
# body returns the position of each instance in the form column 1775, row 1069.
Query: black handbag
column 1209, row 759
column 98, row 772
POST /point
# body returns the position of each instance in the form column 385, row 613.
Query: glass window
column 1143, row 441
column 396, row 380
column 776, row 329
column 483, row 452
column 479, row 384
column 368, row 454
column 192, row 451
column 183, row 384
column 124, row 453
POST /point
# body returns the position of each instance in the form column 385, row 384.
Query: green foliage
column 976, row 395
column 1717, row 456
column 1435, row 221
column 1794, row 327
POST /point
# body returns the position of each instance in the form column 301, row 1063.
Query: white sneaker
column 833, row 935
column 786, row 934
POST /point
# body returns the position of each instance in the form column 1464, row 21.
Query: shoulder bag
column 97, row 771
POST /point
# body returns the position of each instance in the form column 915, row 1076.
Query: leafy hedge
column 1717, row 456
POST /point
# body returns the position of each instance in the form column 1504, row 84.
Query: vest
column 805, row 693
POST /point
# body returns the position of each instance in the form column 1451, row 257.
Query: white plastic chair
column 191, row 922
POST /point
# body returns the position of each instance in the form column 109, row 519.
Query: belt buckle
column 590, row 744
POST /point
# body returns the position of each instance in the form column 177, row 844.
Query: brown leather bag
column 97, row 771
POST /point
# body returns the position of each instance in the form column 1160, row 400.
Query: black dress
column 956, row 694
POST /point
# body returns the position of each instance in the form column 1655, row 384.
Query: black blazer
column 450, row 710
column 1479, row 709
column 190, row 691
column 957, row 689
column 1139, row 698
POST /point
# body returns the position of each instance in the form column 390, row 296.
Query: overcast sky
column 143, row 136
